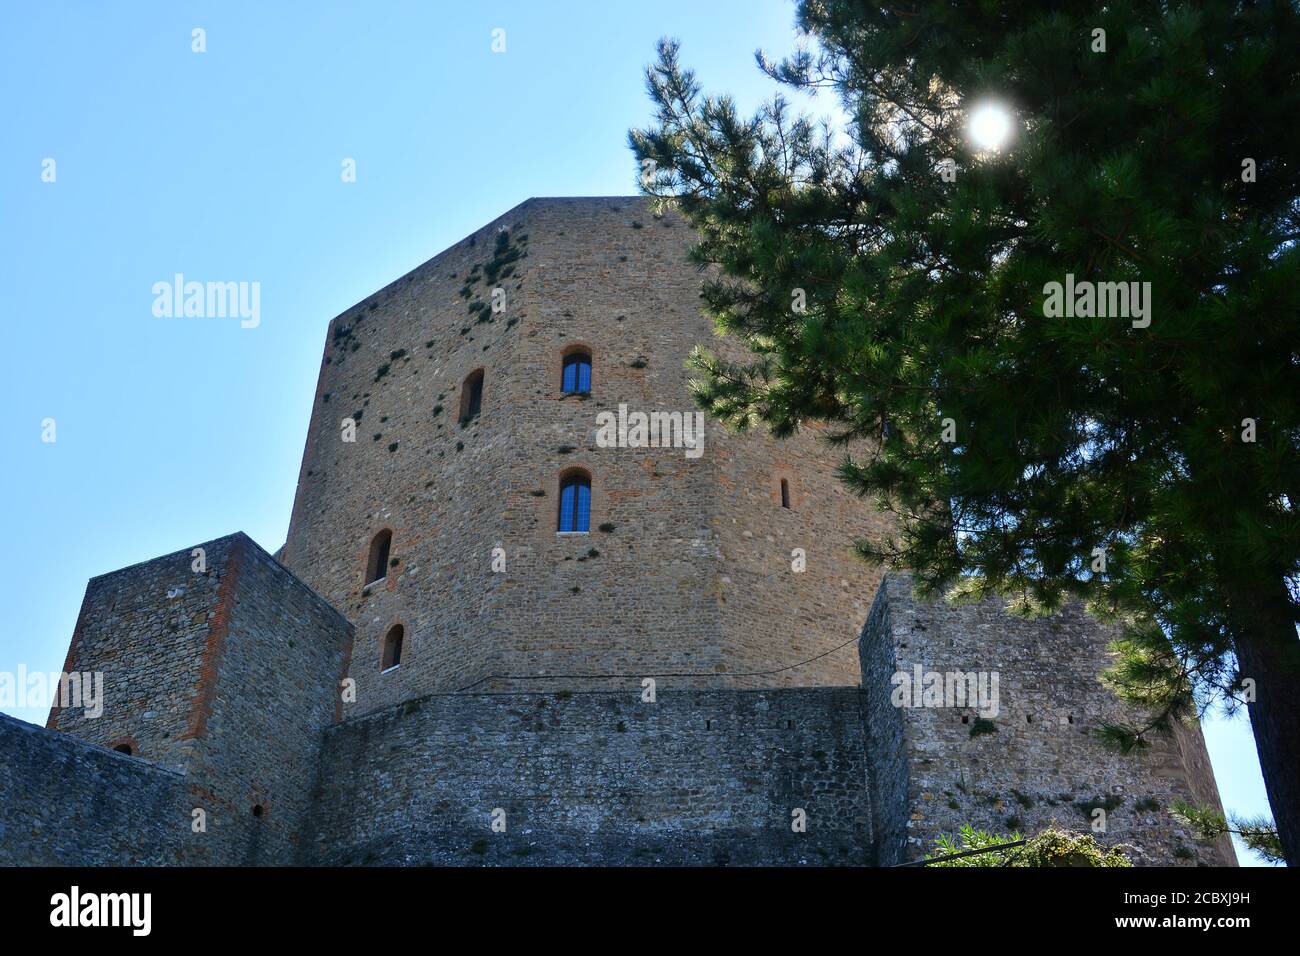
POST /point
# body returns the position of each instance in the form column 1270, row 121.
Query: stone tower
column 687, row 571
column 217, row 665
column 443, row 665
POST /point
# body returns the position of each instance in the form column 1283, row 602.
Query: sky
column 227, row 165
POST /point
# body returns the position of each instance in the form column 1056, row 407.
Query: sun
column 989, row 126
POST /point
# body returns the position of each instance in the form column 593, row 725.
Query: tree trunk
column 1268, row 652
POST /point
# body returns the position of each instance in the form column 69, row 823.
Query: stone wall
column 146, row 629
column 697, row 777
column 229, row 671
column 274, row 688
column 519, row 688
column 687, row 569
column 1036, row 762
column 65, row 802
column 580, row 776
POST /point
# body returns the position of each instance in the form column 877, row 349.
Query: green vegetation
column 895, row 279
column 1052, row 847
column 1258, row 833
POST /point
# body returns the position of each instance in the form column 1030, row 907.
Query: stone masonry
column 687, row 570
column 68, row 802
column 584, row 776
column 1038, row 761
column 668, row 687
column 226, row 671
column 696, row 777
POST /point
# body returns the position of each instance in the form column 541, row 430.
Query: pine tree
column 893, row 278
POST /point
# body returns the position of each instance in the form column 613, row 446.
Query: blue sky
column 225, row 165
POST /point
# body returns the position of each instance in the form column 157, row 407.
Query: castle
column 530, row 610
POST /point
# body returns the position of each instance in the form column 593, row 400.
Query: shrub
column 1052, row 847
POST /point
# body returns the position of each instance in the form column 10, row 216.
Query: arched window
column 377, row 563
column 576, row 377
column 471, row 397
column 124, row 749
column 785, row 493
column 575, row 502
column 392, row 647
